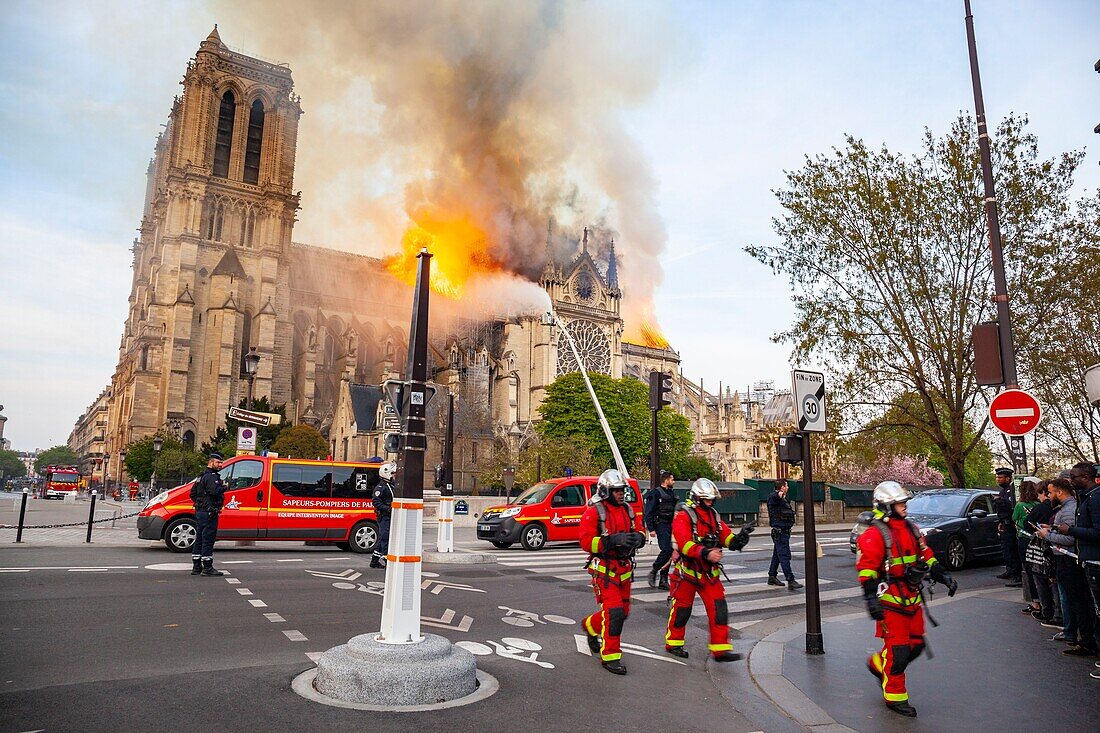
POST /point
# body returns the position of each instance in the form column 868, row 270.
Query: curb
column 457, row 558
column 766, row 671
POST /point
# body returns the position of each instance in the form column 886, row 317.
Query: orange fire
column 647, row 334
column 459, row 247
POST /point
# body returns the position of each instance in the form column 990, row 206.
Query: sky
column 733, row 94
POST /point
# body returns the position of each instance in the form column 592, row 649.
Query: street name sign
column 1015, row 412
column 263, row 419
column 808, row 390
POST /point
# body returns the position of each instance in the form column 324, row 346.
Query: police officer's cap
column 1003, row 472
column 214, row 456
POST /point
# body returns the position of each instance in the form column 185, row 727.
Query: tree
column 11, row 465
column 568, row 413
column 556, row 454
column 175, row 461
column 906, row 470
column 301, row 441
column 888, row 257
column 59, row 455
column 224, row 439
column 689, row 468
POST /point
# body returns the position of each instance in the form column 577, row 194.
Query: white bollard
column 445, row 536
column 401, row 602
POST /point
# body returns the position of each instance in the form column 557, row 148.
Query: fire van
column 272, row 498
column 61, row 481
column 547, row 512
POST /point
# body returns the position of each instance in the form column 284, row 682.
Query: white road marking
column 244, row 591
column 335, row 558
column 63, row 567
column 274, row 618
column 257, row 603
column 293, row 559
column 314, row 656
column 795, row 599
column 295, row 635
column 13, row 570
column 234, row 562
column 233, row 581
column 87, row 570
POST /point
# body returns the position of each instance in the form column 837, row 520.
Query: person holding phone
column 1029, row 498
column 1050, row 611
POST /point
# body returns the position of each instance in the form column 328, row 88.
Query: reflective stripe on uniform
column 890, row 598
column 720, row 647
column 687, row 547
column 868, row 574
column 903, row 560
column 595, row 545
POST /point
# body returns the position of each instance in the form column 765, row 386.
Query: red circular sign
column 1015, row 412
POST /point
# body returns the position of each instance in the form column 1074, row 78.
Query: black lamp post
column 251, row 364
column 106, row 467
column 158, row 443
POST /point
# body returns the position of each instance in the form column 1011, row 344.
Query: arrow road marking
column 349, row 574
column 444, row 621
column 635, row 649
column 440, row 585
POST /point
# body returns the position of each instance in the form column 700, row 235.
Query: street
column 123, row 638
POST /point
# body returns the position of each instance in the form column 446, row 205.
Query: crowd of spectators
column 1053, row 529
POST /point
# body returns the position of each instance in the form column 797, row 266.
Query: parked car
column 958, row 524
column 275, row 499
column 546, row 512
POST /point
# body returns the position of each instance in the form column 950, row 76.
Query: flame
column 647, row 334
column 460, row 251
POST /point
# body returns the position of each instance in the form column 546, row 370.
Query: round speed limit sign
column 811, row 408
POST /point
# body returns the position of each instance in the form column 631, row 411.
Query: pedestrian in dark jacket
column 781, row 519
column 208, row 495
column 1077, row 612
column 1087, row 535
column 1003, row 505
column 1050, row 612
column 660, row 507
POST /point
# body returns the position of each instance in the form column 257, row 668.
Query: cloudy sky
column 721, row 98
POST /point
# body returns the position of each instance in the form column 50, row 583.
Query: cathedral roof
column 612, row 269
column 229, row 265
column 364, row 405
column 214, row 36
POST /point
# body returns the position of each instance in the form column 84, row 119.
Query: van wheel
column 364, row 537
column 533, row 537
column 501, row 545
column 181, row 534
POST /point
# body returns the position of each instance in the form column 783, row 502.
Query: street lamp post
column 106, row 467
column 158, row 443
column 251, row 363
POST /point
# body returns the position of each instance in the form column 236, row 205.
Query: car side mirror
column 977, row 513
column 865, row 517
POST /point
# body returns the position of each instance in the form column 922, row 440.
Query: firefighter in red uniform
column 699, row 534
column 611, row 534
column 893, row 562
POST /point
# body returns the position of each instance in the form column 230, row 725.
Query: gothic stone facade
column 216, row 272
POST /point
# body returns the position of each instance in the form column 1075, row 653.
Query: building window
column 254, row 143
column 224, row 142
column 473, row 452
column 246, row 341
column 189, row 439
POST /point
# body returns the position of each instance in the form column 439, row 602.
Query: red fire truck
column 60, row 481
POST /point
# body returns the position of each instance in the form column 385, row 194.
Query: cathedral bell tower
column 215, row 233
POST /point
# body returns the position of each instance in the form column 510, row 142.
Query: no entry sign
column 1015, row 412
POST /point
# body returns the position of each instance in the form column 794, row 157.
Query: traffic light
column 392, row 442
column 789, row 448
column 660, row 385
column 438, row 483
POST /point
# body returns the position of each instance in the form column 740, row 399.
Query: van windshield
column 535, row 494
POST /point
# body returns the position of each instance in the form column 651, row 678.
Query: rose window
column 593, row 345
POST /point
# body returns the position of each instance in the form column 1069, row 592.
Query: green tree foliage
column 568, row 413
column 11, row 465
column 889, row 260
column 301, row 441
column 175, row 463
column 556, row 455
column 59, row 455
column 689, row 468
column 224, row 439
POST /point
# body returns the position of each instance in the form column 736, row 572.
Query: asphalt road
column 124, row 638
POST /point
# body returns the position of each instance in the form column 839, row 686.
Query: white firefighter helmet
column 609, row 481
column 889, row 493
column 387, row 471
column 704, row 488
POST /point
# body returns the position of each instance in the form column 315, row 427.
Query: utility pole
column 1004, row 316
column 445, row 537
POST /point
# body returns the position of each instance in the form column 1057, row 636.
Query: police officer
column 660, row 507
column 382, row 499
column 781, row 520
column 892, row 562
column 611, row 534
column 700, row 534
column 208, row 495
column 1003, row 504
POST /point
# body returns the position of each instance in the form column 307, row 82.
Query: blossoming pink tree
column 906, row 470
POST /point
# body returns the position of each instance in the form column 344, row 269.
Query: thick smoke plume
column 505, row 113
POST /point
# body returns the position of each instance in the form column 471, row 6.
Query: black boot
column 593, row 643
column 793, row 585
column 376, row 561
column 677, row 651
column 663, row 582
column 208, row 569
column 614, row 667
column 728, row 657
column 652, row 578
column 773, row 580
column 903, row 708
column 196, row 565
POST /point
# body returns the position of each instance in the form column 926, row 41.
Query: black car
column 958, row 524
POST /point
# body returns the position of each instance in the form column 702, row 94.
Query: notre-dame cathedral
column 216, row 273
